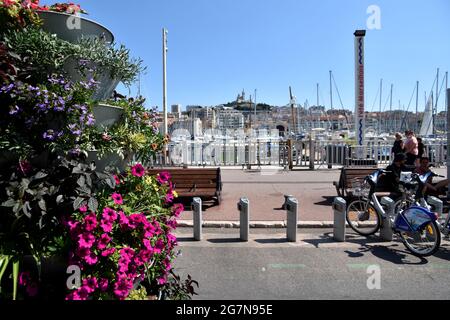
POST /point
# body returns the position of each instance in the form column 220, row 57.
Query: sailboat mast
column 331, row 89
column 417, row 107
column 436, row 104
column 391, row 97
column 381, row 97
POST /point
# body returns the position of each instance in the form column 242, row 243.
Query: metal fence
column 273, row 152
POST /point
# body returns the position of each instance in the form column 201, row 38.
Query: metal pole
column 360, row 92
column 386, row 232
column 448, row 139
column 244, row 209
column 416, row 129
column 331, row 89
column 165, row 132
column 255, row 106
column 292, row 219
column 339, row 209
column 381, row 97
column 198, row 218
column 317, row 90
column 436, row 104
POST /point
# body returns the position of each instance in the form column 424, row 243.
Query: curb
column 257, row 224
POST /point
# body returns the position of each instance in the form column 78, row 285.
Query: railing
column 273, row 152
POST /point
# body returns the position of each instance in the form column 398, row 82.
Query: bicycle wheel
column 425, row 242
column 363, row 218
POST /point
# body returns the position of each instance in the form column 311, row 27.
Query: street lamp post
column 165, row 126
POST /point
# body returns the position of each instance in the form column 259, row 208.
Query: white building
column 176, row 110
column 194, row 126
column 230, row 119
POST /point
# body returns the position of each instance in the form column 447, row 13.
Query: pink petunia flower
column 90, row 222
column 138, row 170
column 108, row 252
column 86, row 240
column 116, row 178
column 122, row 287
column 83, row 209
column 109, row 214
column 103, row 242
column 118, row 200
column 106, row 226
column 103, row 285
column 163, row 177
column 91, row 284
column 91, row 259
column 123, row 219
column 177, row 210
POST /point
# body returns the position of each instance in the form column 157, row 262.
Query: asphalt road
column 269, row 268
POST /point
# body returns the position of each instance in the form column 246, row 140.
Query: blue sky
column 219, row 47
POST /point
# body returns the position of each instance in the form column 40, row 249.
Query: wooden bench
column 349, row 175
column 191, row 183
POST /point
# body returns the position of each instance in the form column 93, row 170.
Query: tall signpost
column 165, row 125
column 448, row 137
column 360, row 119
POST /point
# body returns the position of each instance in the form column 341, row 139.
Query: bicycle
column 416, row 226
column 413, row 195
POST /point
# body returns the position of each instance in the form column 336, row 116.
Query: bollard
column 198, row 219
column 386, row 232
column 286, row 197
column 244, row 209
column 292, row 219
column 438, row 206
column 340, row 210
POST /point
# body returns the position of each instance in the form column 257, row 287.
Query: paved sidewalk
column 266, row 190
column 313, row 189
column 269, row 268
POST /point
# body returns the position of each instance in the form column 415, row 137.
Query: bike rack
column 386, row 231
column 292, row 219
column 244, row 208
column 339, row 209
column 198, row 218
column 438, row 206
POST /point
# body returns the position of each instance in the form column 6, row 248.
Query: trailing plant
column 127, row 243
column 35, row 202
column 177, row 289
column 50, row 117
column 91, row 57
column 135, row 133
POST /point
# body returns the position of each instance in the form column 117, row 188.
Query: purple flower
column 74, row 130
column 15, row 110
column 51, row 135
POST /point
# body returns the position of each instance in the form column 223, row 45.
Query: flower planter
column 72, row 28
column 113, row 160
column 106, row 115
column 106, row 85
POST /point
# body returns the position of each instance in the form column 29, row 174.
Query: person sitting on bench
column 431, row 188
column 392, row 179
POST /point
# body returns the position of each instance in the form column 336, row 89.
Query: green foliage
column 49, row 54
column 134, row 134
column 177, row 289
column 138, row 295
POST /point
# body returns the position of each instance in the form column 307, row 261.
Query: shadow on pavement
column 271, row 241
column 328, row 238
column 185, row 239
column 328, row 201
column 444, row 252
column 187, row 202
column 226, row 240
